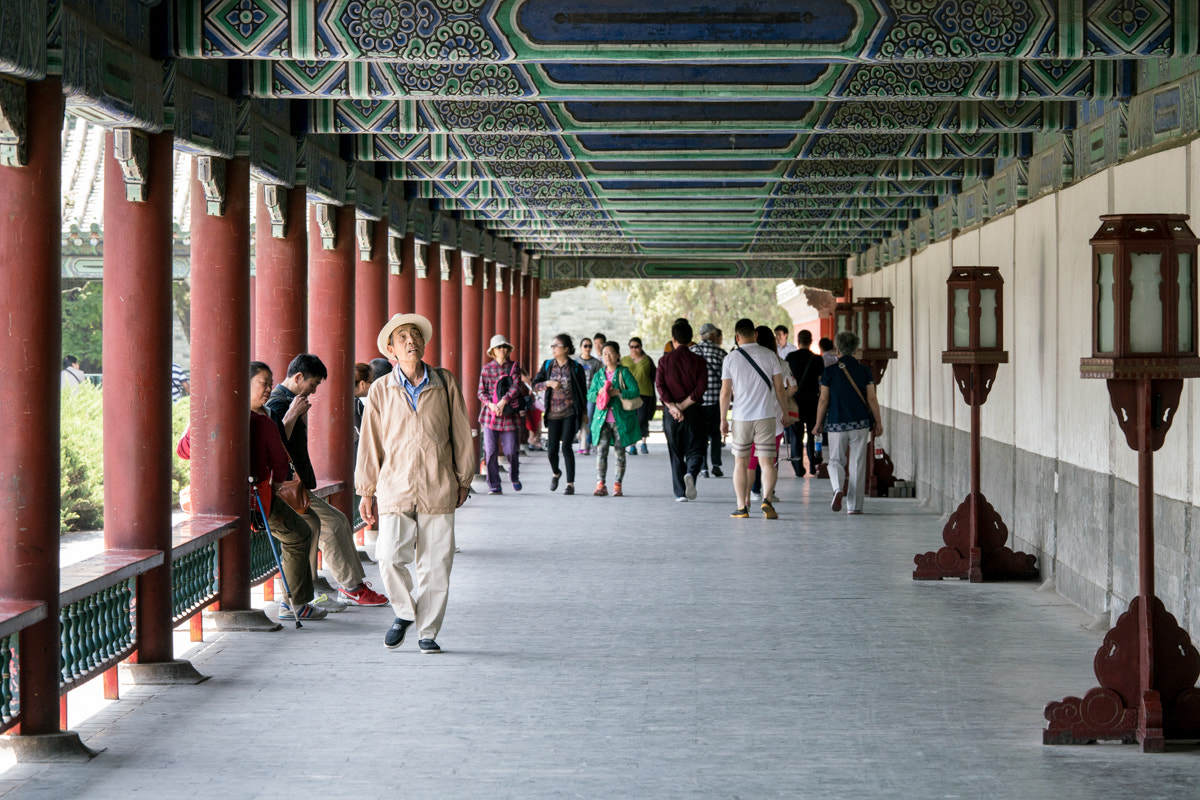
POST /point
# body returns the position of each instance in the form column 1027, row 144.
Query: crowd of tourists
column 416, row 456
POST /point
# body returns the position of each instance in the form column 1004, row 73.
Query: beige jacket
column 404, row 455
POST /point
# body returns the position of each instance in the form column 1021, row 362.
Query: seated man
column 289, row 406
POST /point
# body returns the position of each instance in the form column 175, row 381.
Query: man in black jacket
column 289, row 406
column 806, row 367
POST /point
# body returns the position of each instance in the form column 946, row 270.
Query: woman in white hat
column 499, row 393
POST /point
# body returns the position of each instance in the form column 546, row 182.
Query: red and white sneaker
column 364, row 596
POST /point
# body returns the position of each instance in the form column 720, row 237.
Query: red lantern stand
column 975, row 535
column 1147, row 666
column 873, row 322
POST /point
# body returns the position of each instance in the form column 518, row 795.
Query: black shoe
column 570, row 489
column 429, row 646
column 395, row 635
column 554, row 483
column 741, row 513
column 716, row 471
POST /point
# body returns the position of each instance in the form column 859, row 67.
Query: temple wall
column 1055, row 462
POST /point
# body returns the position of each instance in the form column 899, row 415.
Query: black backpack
column 519, row 404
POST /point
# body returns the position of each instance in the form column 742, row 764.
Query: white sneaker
column 755, row 497
column 690, row 486
column 330, row 604
column 681, row 499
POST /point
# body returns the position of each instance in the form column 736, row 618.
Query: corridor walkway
column 636, row 647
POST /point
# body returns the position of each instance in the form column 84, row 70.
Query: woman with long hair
column 561, row 378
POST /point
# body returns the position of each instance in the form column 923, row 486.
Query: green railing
column 96, row 631
column 10, row 679
column 194, row 581
column 262, row 562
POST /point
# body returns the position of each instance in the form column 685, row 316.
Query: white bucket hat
column 497, row 341
column 423, row 325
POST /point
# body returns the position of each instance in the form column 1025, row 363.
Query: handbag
column 294, row 492
column 627, row 403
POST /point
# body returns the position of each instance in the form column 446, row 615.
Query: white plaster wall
column 1034, row 343
column 996, row 250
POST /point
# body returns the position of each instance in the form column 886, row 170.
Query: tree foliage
column 82, row 324
column 658, row 303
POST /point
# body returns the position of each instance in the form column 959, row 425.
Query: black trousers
column 712, row 435
column 685, row 445
column 562, row 436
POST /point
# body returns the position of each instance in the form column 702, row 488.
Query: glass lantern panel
column 1186, row 299
column 874, row 338
column 887, row 330
column 858, row 327
column 1105, row 312
column 988, row 323
column 962, row 318
column 1145, row 307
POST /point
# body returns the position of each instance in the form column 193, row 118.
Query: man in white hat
column 415, row 465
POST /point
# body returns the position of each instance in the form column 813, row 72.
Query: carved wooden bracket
column 325, row 216
column 14, row 148
column 485, row 274
column 975, row 381
column 210, row 171
column 444, row 263
column 468, row 268
column 419, row 253
column 131, row 149
column 362, row 232
column 394, row 262
column 275, row 201
column 1162, row 401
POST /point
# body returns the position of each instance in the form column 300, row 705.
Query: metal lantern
column 873, row 324
column 1143, row 298
column 975, row 322
column 843, row 317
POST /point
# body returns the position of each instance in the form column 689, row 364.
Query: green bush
column 81, row 449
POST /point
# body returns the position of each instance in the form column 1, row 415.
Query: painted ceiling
column 794, row 132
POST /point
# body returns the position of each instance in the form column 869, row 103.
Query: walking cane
column 287, row 591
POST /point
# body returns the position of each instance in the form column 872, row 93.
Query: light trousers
column 336, row 542
column 854, row 445
column 427, row 539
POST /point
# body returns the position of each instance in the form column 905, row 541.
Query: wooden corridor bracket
column 975, row 536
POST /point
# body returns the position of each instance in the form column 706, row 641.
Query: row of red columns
column 305, row 299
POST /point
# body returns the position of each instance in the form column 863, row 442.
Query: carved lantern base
column 1118, row 709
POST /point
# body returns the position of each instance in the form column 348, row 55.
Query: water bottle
column 817, row 447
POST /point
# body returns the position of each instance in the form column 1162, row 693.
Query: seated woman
column 269, row 461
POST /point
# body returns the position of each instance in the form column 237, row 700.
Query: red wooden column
column 371, row 294
column 487, row 278
column 521, row 352
column 527, row 312
column 331, row 331
column 30, row 351
column 534, row 311
column 452, row 315
column 281, row 282
column 137, row 384
column 402, row 287
column 504, row 308
column 473, row 341
column 428, row 302
column 220, row 417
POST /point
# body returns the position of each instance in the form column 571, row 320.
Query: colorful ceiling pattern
column 778, row 137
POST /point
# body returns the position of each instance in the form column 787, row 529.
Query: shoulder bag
column 791, row 414
column 627, row 403
column 293, row 492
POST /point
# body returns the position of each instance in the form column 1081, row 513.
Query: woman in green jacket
column 612, row 424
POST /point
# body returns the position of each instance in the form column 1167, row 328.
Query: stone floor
column 636, row 647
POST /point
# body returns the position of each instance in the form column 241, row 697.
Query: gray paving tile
column 616, row 647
